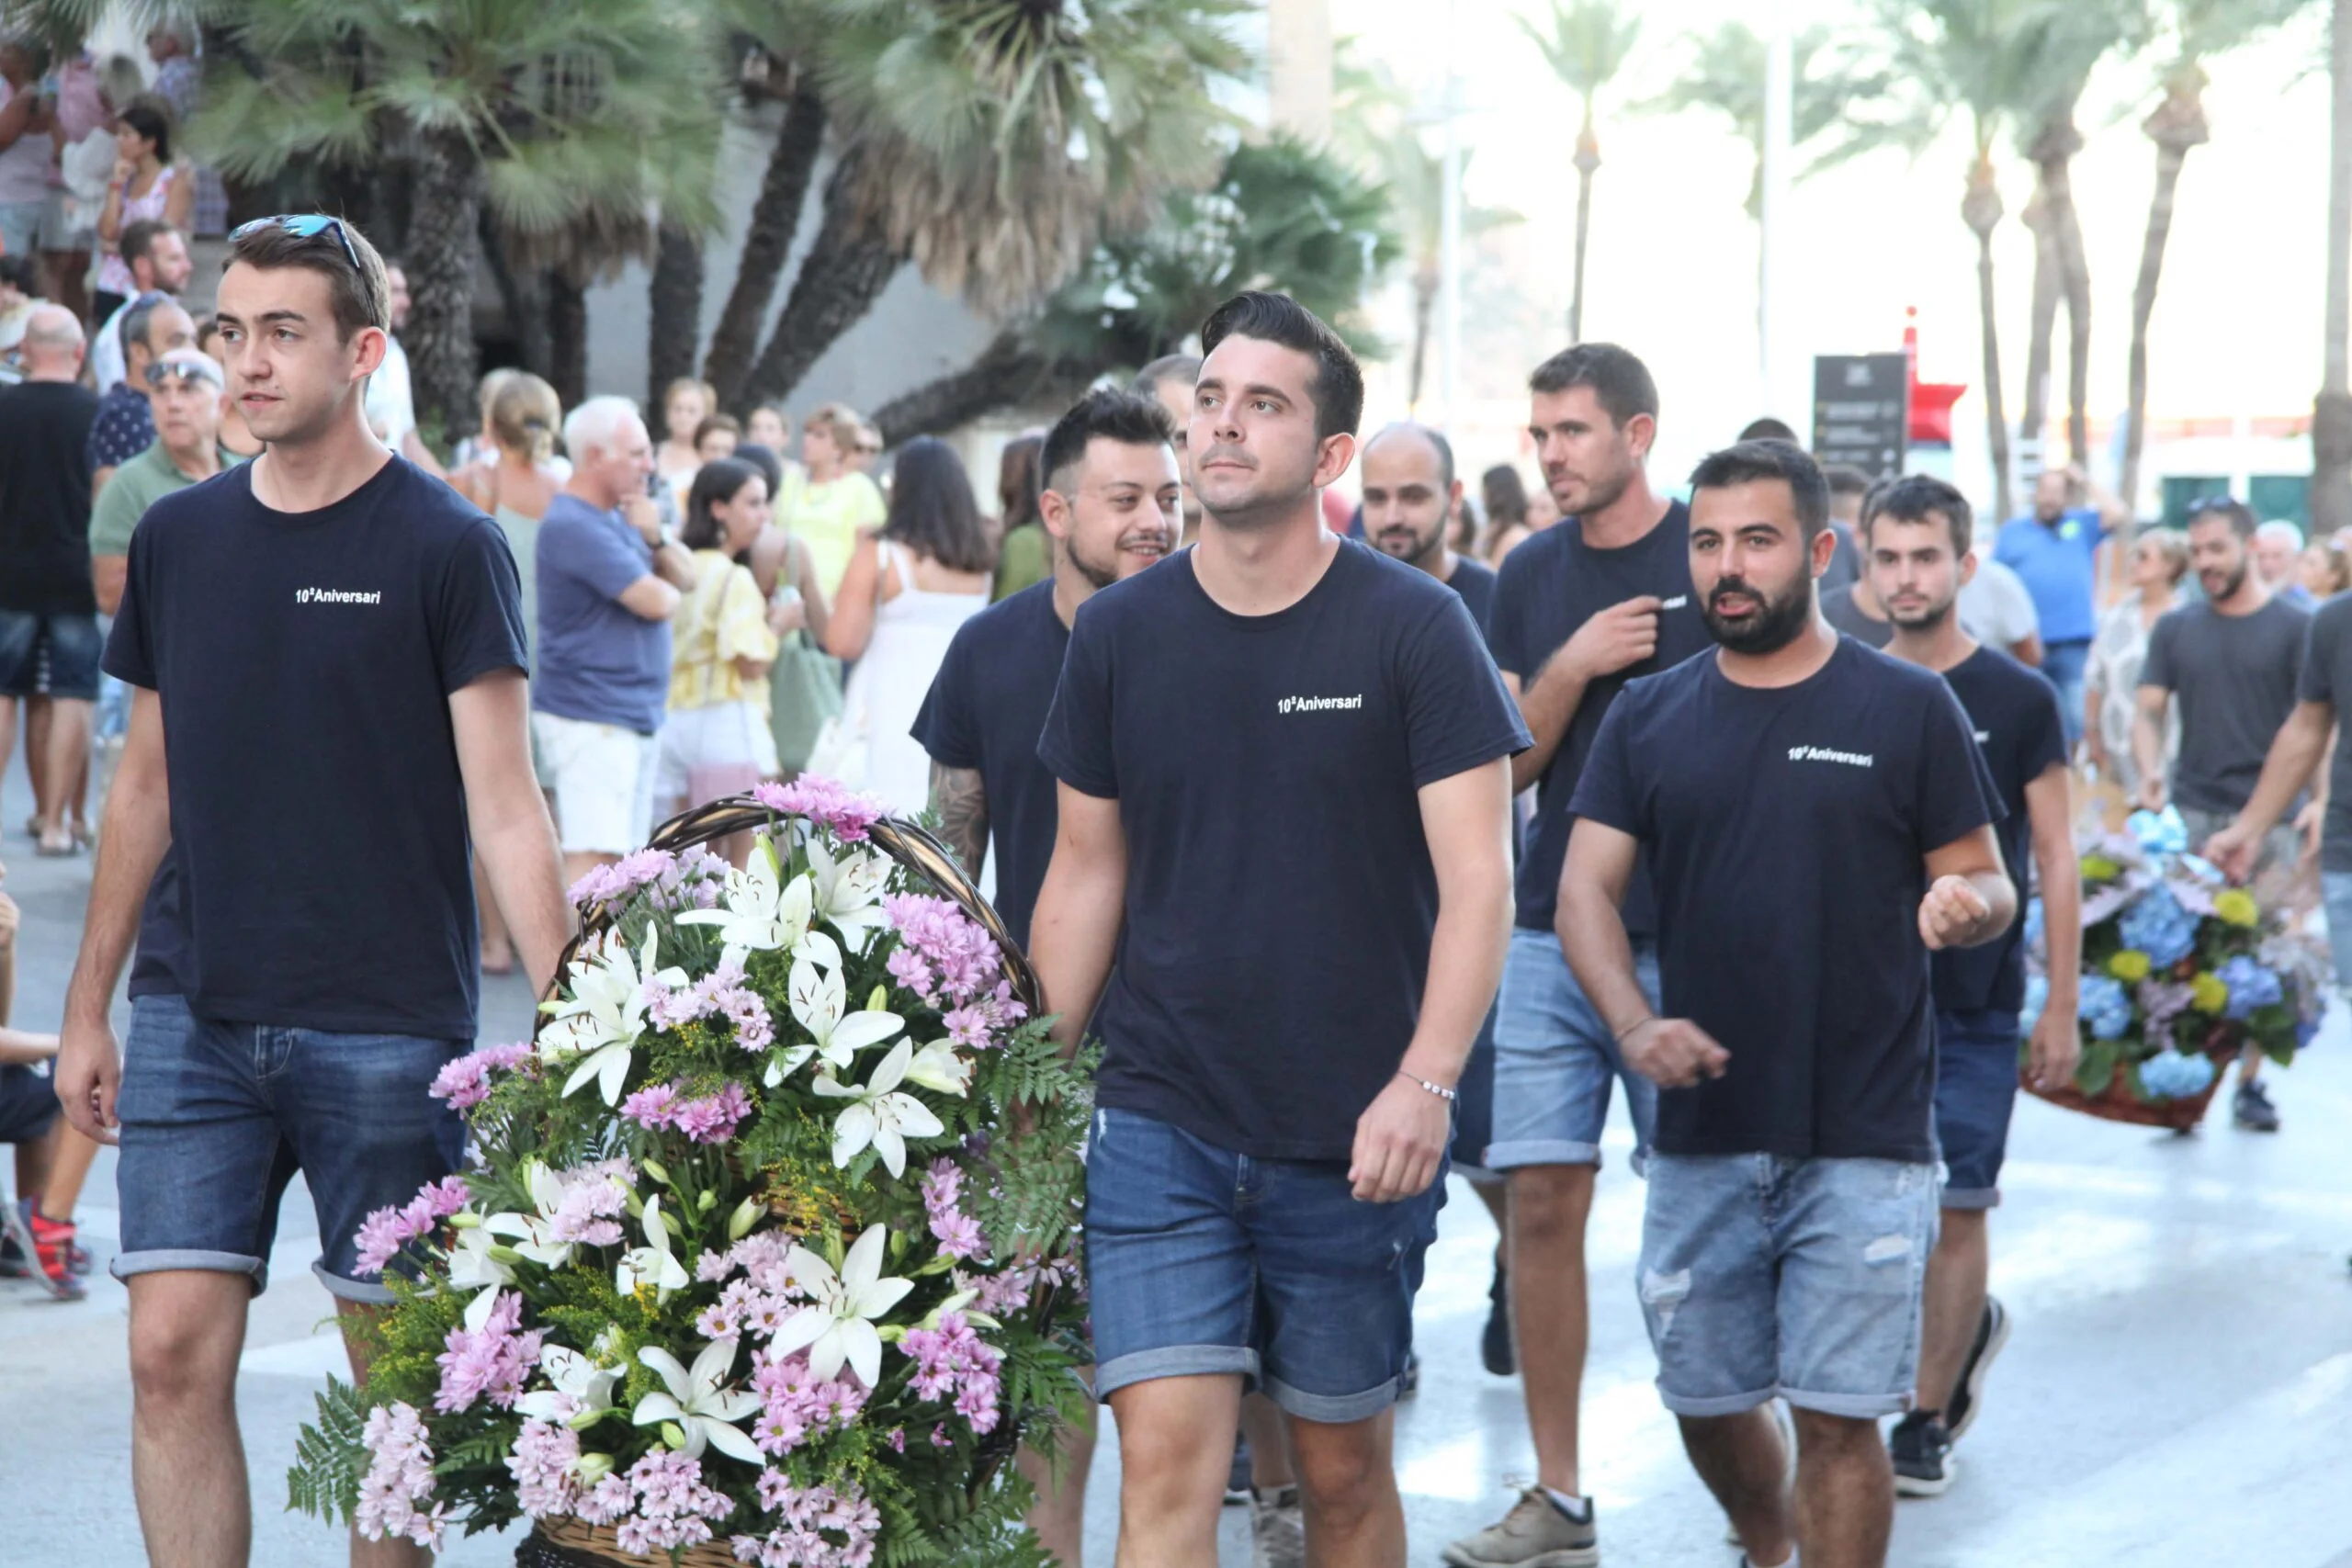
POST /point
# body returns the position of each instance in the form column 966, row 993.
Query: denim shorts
column 217, row 1118
column 1977, row 1088
column 1554, row 1060
column 2335, row 891
column 1474, row 1106
column 1201, row 1262
column 51, row 656
column 28, row 1107
column 1762, row 1275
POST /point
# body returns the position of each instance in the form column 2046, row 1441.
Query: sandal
column 61, row 849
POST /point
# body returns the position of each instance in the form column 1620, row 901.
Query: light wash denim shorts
column 1556, row 1060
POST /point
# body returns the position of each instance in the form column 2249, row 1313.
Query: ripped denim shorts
column 1764, row 1275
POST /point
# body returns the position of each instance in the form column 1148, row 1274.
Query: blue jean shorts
column 1201, row 1262
column 1763, row 1275
column 1977, row 1088
column 1554, row 1060
column 217, row 1118
column 28, row 1107
column 50, row 656
column 1474, row 1106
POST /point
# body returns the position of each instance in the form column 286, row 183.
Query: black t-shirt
column 1837, row 609
column 986, row 709
column 1474, row 581
column 1547, row 588
column 317, row 876
column 45, row 499
column 1788, row 830
column 2234, row 678
column 1280, row 896
column 2327, row 678
column 2014, row 711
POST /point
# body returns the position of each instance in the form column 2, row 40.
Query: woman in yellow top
column 715, row 741
column 832, row 502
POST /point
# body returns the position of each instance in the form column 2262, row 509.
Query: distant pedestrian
column 391, row 398
column 2056, row 549
column 153, row 326
column 2278, row 551
column 716, row 741
column 685, row 403
column 717, row 437
column 2111, row 678
column 145, row 184
column 1168, row 380
column 1023, row 554
column 155, row 255
column 768, row 425
column 834, row 503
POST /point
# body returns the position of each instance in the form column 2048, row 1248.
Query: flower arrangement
column 760, row 1246
column 2181, row 972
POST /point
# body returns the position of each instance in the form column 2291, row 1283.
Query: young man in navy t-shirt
column 327, row 646
column 1917, row 537
column 1817, row 818
column 1284, row 810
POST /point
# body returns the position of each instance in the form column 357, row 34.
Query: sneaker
column 46, row 1243
column 2252, row 1109
column 1277, row 1529
column 1967, row 1395
column 1922, row 1454
column 1494, row 1345
column 1237, row 1480
column 1536, row 1533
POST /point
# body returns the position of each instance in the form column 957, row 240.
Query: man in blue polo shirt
column 2056, row 552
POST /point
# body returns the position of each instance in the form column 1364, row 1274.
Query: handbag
column 804, row 700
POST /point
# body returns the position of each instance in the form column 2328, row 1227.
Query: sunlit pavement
column 2178, row 1390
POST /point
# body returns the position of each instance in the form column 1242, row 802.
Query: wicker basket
column 568, row 1543
column 2116, row 1103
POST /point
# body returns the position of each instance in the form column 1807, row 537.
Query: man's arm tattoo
column 963, row 806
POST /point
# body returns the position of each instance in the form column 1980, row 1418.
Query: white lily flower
column 840, row 1326
column 606, row 1016
column 652, row 1264
column 533, row 1234
column 937, row 1067
column 820, row 1000
column 471, row 1268
column 581, row 1387
column 706, row 1412
column 759, row 912
column 877, row 1116
column 849, row 891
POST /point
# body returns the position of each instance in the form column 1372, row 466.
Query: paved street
column 2177, row 1394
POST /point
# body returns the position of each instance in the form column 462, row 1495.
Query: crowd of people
column 1418, row 829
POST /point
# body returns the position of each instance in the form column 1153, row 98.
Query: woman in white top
column 907, row 590
column 2111, row 673
column 145, row 185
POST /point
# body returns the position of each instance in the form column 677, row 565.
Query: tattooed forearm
column 963, row 808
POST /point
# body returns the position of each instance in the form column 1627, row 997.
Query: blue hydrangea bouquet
column 2181, row 972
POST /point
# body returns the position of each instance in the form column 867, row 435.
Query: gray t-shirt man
column 2234, row 678
column 2327, row 678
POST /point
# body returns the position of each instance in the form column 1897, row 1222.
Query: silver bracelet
column 1437, row 1090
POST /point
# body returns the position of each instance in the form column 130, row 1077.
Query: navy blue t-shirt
column 1547, row 588
column 1474, row 581
column 986, row 709
column 2014, row 711
column 317, row 876
column 1280, row 897
column 1787, row 830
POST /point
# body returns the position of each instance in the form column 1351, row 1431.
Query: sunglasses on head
column 2211, row 503
column 302, row 226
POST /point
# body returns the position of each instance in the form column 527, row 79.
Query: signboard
column 1862, row 411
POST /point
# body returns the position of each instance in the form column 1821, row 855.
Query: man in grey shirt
column 2233, row 662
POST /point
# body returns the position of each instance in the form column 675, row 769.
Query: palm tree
column 2332, row 414
column 1585, row 48
column 2195, row 31
column 563, row 121
column 989, row 142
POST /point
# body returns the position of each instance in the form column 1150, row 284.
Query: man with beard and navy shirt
column 1817, row 819
column 1581, row 608
column 1917, row 539
column 1285, row 811
column 1110, row 502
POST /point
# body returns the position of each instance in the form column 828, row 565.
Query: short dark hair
column 358, row 295
column 1336, row 386
column 721, row 420
column 1438, row 444
column 770, row 464
column 1126, row 418
column 1844, row 478
column 140, row 238
column 147, row 118
column 715, row 481
column 1621, row 383
column 1768, row 429
column 133, row 326
column 1751, row 461
column 2238, row 513
column 932, row 508
column 1916, row 498
column 1167, row 368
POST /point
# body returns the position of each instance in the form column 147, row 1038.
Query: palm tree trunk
column 2033, row 419
column 1981, row 211
column 442, row 239
column 674, row 299
column 2177, row 124
column 767, row 242
column 843, row 273
column 2331, row 499
column 2075, row 273
column 1424, row 305
column 1010, row 371
column 568, row 334
column 1588, row 159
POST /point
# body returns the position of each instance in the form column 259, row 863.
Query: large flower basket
column 760, row 1250
column 2180, row 972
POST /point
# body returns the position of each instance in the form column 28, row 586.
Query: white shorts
column 603, row 777
column 734, row 736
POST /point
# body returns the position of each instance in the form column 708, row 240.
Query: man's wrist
column 1424, row 1066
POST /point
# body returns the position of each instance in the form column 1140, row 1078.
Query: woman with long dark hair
column 1023, row 554
column 716, row 741
column 908, row 588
